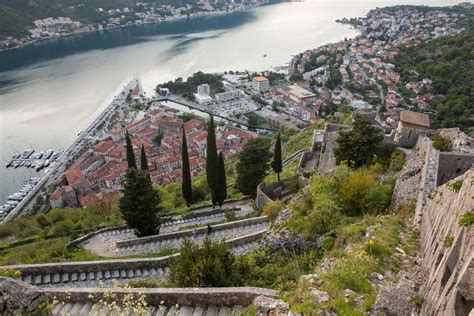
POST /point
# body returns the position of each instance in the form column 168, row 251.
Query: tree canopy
column 211, row 161
column 253, row 165
column 186, row 184
column 277, row 161
column 360, row 144
column 221, row 181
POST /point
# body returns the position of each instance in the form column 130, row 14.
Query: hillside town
column 354, row 73
column 359, row 73
column 140, row 13
column 99, row 172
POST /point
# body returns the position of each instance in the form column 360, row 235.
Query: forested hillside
column 449, row 63
column 17, row 16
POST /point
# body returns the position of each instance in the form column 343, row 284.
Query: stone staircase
column 159, row 301
column 174, row 240
column 98, row 309
column 107, row 273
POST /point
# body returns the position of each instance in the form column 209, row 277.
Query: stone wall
column 106, row 272
column 452, row 165
column 460, row 142
column 448, row 286
column 192, row 232
column 183, row 296
column 429, row 175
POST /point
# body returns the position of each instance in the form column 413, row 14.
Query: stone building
column 411, row 125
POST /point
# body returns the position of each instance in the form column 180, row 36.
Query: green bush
column 63, row 228
column 272, row 209
column 209, row 265
column 467, row 219
column 328, row 243
column 397, row 160
column 448, row 241
column 441, row 143
column 350, row 274
column 364, row 193
column 456, row 185
column 376, row 249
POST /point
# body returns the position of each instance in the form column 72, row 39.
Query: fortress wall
column 452, row 165
column 448, row 287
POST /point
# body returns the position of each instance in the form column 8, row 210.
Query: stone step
column 76, row 309
column 186, row 311
column 86, row 309
column 199, row 311
column 212, row 310
column 161, row 311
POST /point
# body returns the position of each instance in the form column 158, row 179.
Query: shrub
column 363, row 193
column 441, row 143
column 63, row 228
column 397, row 160
column 417, row 300
column 210, row 265
column 350, row 274
column 328, row 243
column 467, row 219
column 230, row 215
column 375, row 249
column 456, row 185
column 448, row 241
column 272, row 209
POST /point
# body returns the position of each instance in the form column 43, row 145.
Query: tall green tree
column 277, row 165
column 360, row 144
column 143, row 159
column 222, row 181
column 211, row 161
column 186, row 184
column 139, row 203
column 253, row 165
column 130, row 155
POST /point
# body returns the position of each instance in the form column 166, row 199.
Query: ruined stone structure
column 443, row 272
column 410, row 127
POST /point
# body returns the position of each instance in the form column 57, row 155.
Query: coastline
column 165, row 20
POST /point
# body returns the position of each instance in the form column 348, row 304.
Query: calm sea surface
column 51, row 90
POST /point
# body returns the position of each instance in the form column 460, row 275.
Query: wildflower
column 371, row 242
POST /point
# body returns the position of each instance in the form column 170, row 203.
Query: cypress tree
column 186, row 184
column 277, row 161
column 130, row 155
column 143, row 159
column 211, row 161
column 254, row 162
column 222, row 181
column 139, row 203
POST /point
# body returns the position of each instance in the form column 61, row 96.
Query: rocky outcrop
column 19, row 298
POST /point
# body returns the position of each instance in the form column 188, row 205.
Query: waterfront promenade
column 81, row 142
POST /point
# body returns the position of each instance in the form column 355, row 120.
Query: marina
column 16, row 198
column 29, row 159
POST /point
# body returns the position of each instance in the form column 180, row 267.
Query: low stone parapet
column 175, row 238
column 183, row 296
